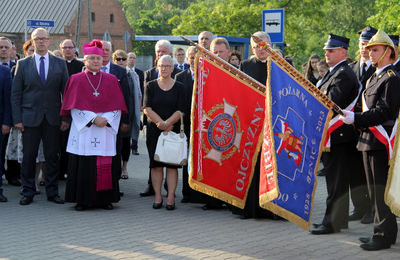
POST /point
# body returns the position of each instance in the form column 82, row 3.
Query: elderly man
column 95, row 101
column 342, row 87
column 187, row 78
column 12, row 173
column 162, row 47
column 380, row 108
column 36, row 100
column 122, row 77
column 205, row 38
column 5, row 115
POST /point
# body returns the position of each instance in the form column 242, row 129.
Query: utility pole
column 78, row 24
column 90, row 35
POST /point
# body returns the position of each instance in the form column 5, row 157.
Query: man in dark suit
column 68, row 49
column 12, row 173
column 36, row 101
column 380, row 108
column 163, row 47
column 5, row 115
column 396, row 63
column 120, row 74
column 342, row 87
column 187, row 78
column 131, row 67
column 180, row 58
column 358, row 182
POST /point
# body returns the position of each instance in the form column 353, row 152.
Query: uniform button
column 341, row 134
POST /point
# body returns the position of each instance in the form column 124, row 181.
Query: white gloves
column 348, row 117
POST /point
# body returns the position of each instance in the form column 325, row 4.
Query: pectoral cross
column 95, row 93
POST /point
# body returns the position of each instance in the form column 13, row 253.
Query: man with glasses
column 68, row 49
column 36, row 101
column 180, row 58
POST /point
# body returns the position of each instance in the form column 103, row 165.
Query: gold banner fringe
column 272, row 206
column 196, row 184
column 391, row 201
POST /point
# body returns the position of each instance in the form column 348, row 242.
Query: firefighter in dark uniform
column 396, row 63
column 380, row 107
column 341, row 85
column 363, row 209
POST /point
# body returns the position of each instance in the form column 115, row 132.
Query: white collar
column 381, row 69
column 334, row 66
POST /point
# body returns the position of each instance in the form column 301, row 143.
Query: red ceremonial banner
column 227, row 122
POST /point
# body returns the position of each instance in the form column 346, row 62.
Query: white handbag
column 172, row 147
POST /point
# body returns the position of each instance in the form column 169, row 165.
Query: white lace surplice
column 93, row 140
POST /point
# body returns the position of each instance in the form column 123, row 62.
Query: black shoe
column 367, row 239
column 25, row 201
column 80, row 207
column 148, row 192
column 322, row 230
column 3, row 198
column 368, row 218
column 14, row 182
column 356, row 215
column 157, row 205
column 108, row 206
column 56, row 199
column 185, row 200
column 135, row 152
column 321, row 172
column 374, row 245
column 121, row 194
column 170, row 207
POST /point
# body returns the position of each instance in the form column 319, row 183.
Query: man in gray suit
column 36, row 101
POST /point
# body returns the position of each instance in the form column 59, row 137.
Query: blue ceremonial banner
column 299, row 122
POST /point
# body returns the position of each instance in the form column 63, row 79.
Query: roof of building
column 15, row 13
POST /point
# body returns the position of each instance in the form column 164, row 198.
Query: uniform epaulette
column 390, row 72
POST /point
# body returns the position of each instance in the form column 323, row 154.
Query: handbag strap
column 182, row 125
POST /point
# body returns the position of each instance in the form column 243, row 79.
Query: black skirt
column 81, row 182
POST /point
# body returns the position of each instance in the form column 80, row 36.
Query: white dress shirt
column 46, row 63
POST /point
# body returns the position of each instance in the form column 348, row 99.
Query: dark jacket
column 31, row 101
column 341, row 86
column 5, row 92
column 382, row 97
column 185, row 77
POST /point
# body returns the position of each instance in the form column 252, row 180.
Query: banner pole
column 291, row 70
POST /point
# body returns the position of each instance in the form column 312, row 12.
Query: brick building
column 107, row 15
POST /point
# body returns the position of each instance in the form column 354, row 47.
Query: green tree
column 150, row 17
column 387, row 16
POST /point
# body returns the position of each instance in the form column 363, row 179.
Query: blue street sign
column 273, row 23
column 39, row 23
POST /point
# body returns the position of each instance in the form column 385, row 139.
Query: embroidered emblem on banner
column 221, row 131
column 290, row 144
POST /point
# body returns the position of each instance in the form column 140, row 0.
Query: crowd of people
column 81, row 120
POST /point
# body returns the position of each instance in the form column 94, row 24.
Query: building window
column 111, row 18
column 93, row 17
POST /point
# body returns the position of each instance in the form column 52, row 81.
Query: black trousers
column 339, row 164
column 359, row 189
column 376, row 169
column 31, row 137
column 13, row 167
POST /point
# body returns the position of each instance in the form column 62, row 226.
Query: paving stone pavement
column 134, row 230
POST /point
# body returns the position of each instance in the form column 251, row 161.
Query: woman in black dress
column 163, row 101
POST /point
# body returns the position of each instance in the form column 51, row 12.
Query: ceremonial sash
column 335, row 123
column 380, row 133
column 226, row 127
column 298, row 121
